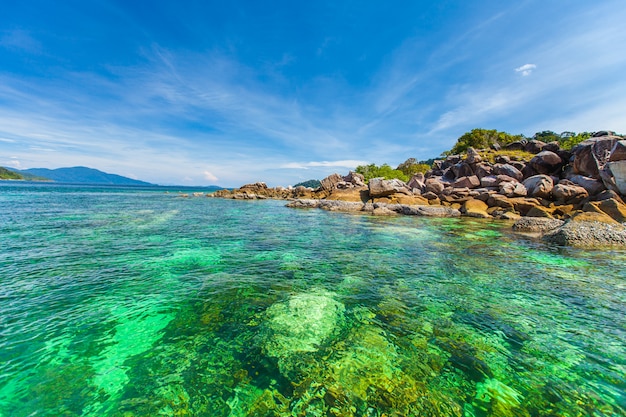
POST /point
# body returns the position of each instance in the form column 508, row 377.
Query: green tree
column 372, row 171
column 412, row 166
column 482, row 139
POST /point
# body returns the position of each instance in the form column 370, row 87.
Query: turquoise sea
column 137, row 302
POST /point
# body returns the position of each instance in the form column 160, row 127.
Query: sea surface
column 123, row 301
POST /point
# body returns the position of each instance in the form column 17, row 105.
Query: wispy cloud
column 337, row 164
column 21, row 40
column 526, row 69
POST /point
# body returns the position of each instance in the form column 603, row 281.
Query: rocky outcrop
column 585, row 185
column 380, row 187
column 588, row 233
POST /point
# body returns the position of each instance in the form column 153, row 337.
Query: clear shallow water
column 132, row 302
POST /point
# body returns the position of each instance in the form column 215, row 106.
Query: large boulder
column 618, row 152
column 471, row 181
column 434, row 185
column 566, row 191
column 380, row 187
column 330, row 183
column 539, row 186
column 611, row 207
column 614, row 176
column 509, row 170
column 476, row 208
column 546, row 162
column 536, row 224
column 462, row 169
column 513, row 189
column 418, row 182
column 355, row 179
column 489, row 181
column 588, row 233
column 534, row 146
column 592, row 186
column 591, row 155
column 473, row 157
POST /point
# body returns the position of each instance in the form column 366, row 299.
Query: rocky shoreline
column 570, row 197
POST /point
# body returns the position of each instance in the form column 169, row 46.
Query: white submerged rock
column 302, row 323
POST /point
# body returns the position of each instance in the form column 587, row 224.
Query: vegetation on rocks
column 6, row 174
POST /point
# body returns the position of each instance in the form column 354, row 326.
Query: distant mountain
column 79, row 175
column 7, row 174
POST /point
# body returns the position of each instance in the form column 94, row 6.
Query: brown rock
column 435, row 186
column 618, row 152
column 565, row 192
column 350, row 194
column 592, row 186
column 546, row 162
column 354, row 178
column 467, row 182
column 489, row 181
column 536, row 224
column 380, row 187
column 483, row 170
column 534, row 146
column 509, row 215
column 540, row 211
column 498, row 200
column 613, row 208
column 476, row 208
column 592, row 216
column 409, row 200
column 508, row 169
column 330, row 183
column 591, row 155
column 539, row 186
column 417, row 181
column 513, row 189
column 473, row 157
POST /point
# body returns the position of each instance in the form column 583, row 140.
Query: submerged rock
column 586, row 233
column 302, row 323
column 536, row 224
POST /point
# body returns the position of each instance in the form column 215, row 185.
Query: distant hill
column 78, row 175
column 310, row 184
column 7, row 174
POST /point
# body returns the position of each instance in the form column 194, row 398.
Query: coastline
column 569, row 197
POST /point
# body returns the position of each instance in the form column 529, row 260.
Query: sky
column 231, row 92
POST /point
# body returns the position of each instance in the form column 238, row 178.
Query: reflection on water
column 142, row 304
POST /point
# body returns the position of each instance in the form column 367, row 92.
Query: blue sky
column 230, row 92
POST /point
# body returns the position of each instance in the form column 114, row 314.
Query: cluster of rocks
column 587, row 183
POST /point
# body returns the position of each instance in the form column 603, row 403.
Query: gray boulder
column 546, row 162
column 588, row 234
column 536, row 224
column 592, row 186
column 592, row 154
column 417, row 181
column 380, row 187
column 508, row 169
column 473, row 157
column 618, row 152
column 354, row 178
column 513, row 189
column 330, row 183
column 471, row 181
column 539, row 186
column 434, row 185
column 534, row 146
column 566, row 191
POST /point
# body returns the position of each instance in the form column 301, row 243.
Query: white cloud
column 209, row 176
column 526, row 69
column 306, row 165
